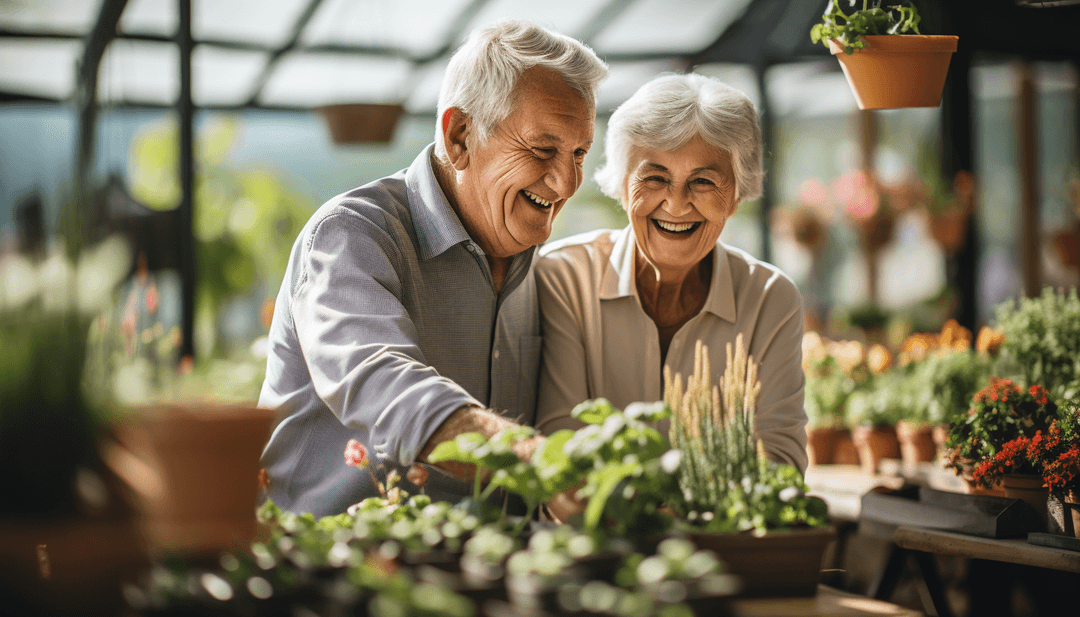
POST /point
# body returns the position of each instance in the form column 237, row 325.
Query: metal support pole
column 186, row 110
column 1028, row 159
column 97, row 41
column 958, row 154
column 769, row 150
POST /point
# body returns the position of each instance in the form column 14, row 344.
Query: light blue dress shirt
column 385, row 324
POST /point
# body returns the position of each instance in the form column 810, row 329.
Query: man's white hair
column 483, row 73
column 668, row 112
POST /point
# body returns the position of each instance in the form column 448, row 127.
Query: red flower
column 264, row 479
column 152, row 299
column 356, row 454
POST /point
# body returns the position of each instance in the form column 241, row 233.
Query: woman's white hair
column 668, row 112
column 483, row 73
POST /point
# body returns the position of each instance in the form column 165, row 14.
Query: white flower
column 101, row 269
column 18, row 282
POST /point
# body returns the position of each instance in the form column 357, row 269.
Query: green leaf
column 605, row 480
column 460, row 449
column 593, row 412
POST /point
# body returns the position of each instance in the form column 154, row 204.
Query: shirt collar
column 618, row 279
column 437, row 225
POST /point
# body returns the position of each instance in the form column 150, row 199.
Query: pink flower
column 152, row 299
column 417, row 474
column 356, row 454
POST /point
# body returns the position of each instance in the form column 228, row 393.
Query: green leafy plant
column 1042, row 339
column 725, row 481
column 849, row 28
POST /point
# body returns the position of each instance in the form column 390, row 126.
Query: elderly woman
column 617, row 306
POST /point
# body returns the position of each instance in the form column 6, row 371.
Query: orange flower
column 989, row 341
column 356, row 454
column 879, row 359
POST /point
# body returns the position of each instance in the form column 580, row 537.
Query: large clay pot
column 194, row 469
column 916, row 442
column 974, row 488
column 875, row 443
column 778, row 563
column 897, row 70
column 1029, row 489
column 1064, row 514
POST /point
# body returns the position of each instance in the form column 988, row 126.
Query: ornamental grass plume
column 714, row 427
column 725, row 483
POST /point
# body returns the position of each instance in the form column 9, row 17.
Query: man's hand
column 473, row 419
column 565, row 506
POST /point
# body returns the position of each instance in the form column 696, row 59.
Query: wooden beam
column 186, row 229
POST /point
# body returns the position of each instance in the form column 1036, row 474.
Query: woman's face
column 678, row 202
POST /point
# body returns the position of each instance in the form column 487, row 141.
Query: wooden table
column 1011, row 550
column 829, row 602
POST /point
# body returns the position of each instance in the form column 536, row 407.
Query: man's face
column 516, row 182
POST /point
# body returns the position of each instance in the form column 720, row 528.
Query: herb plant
column 849, row 28
column 725, row 481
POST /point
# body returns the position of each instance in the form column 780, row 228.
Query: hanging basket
column 359, row 123
column 896, row 71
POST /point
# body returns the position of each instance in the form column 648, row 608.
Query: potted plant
column 754, row 513
column 1001, row 413
column 886, row 68
column 828, row 387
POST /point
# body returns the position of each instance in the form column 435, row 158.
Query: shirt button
column 469, row 247
column 496, row 354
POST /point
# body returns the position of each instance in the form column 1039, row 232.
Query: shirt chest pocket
column 514, row 379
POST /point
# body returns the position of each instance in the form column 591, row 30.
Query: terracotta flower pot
column 1029, row 489
column 844, row 451
column 949, row 229
column 916, row 442
column 875, row 443
column 1064, row 514
column 358, row 123
column 819, row 444
column 778, row 563
column 194, row 469
column 940, row 435
column 897, row 70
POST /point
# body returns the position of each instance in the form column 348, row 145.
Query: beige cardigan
column 599, row 342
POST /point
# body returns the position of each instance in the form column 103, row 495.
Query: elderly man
column 408, row 313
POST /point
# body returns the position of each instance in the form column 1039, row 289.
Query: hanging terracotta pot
column 1029, row 489
column 916, row 442
column 875, row 442
column 1067, row 246
column 949, row 229
column 897, row 70
column 358, row 123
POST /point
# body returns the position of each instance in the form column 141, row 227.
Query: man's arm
column 473, row 419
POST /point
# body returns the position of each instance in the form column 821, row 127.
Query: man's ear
column 457, row 126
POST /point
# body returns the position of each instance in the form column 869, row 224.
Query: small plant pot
column 1064, row 514
column 778, row 563
column 844, row 450
column 897, row 70
column 875, row 443
column 820, row 442
column 916, row 442
column 1029, row 489
column 940, row 435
